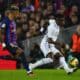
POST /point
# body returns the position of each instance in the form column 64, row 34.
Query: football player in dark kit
column 8, row 27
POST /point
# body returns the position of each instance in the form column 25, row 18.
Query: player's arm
column 2, row 31
column 2, row 34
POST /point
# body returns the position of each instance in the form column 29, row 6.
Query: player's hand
column 3, row 45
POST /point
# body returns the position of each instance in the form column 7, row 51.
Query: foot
column 31, row 66
column 30, row 73
column 75, row 69
column 70, row 71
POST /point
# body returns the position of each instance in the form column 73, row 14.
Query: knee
column 50, row 55
column 57, row 56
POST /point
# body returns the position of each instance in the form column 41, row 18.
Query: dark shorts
column 11, row 49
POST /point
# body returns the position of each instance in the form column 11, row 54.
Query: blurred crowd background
column 34, row 14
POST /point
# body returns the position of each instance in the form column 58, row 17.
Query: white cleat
column 31, row 66
column 70, row 71
column 30, row 73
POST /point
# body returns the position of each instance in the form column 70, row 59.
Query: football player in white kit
column 48, row 46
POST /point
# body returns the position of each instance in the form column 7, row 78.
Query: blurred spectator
column 32, row 15
column 3, row 6
column 36, row 53
column 62, row 9
column 38, row 18
column 73, row 18
column 33, row 29
column 58, row 3
column 28, row 6
column 37, row 4
column 75, row 46
column 50, row 10
column 71, row 2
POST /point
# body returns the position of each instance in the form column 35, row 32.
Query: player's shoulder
column 4, row 23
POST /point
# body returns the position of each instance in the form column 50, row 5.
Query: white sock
column 65, row 65
column 42, row 62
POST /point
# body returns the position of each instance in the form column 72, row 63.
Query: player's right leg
column 59, row 57
column 15, row 51
column 40, row 63
column 46, row 51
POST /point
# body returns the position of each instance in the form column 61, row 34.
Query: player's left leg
column 59, row 57
column 20, row 53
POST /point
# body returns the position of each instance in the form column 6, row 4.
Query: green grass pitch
column 39, row 74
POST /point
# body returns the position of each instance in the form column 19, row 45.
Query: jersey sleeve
column 3, row 25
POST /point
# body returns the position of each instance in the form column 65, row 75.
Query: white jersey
column 53, row 33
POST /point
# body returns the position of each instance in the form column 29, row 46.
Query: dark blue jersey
column 10, row 31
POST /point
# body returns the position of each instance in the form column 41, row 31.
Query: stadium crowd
column 34, row 14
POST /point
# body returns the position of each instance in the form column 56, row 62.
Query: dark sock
column 24, row 62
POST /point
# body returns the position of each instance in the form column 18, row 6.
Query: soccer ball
column 74, row 62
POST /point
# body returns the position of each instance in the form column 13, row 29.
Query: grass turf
column 40, row 74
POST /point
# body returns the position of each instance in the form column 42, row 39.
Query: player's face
column 11, row 16
column 16, row 14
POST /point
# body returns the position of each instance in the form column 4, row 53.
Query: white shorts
column 47, row 48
